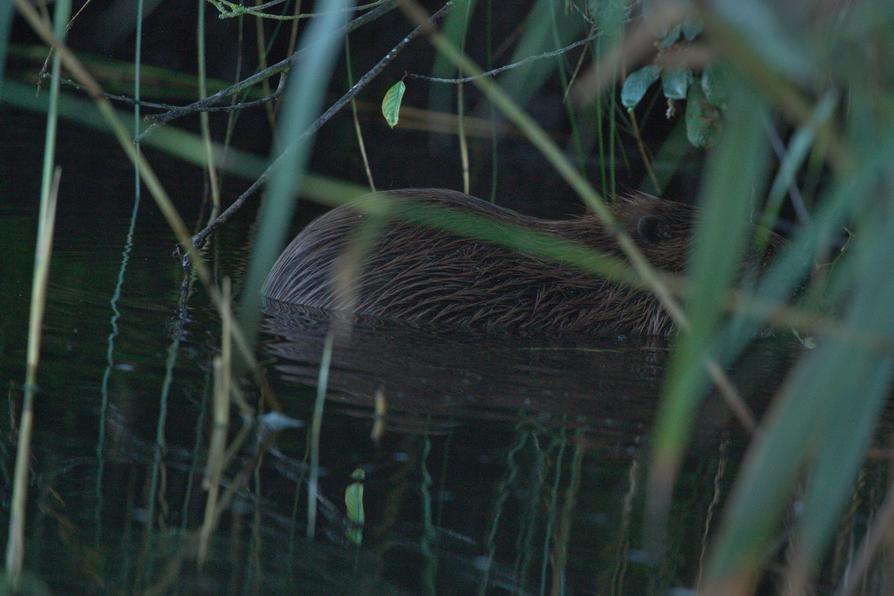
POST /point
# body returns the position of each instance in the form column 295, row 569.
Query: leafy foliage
column 704, row 107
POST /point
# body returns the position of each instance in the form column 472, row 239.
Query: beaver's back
column 429, row 276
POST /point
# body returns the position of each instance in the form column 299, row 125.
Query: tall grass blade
column 210, row 166
column 221, row 409
column 461, row 110
column 800, row 145
column 119, row 280
column 455, row 24
column 539, row 37
column 847, row 196
column 301, row 104
column 768, row 35
column 825, row 419
column 15, row 545
column 501, row 495
column 826, row 413
column 60, row 17
column 669, row 160
column 609, row 16
column 719, row 243
column 171, row 140
column 154, row 499
column 5, row 28
column 428, row 544
column 316, row 429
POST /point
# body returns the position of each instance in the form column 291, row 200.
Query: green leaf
column 703, row 121
column 637, row 83
column 675, row 83
column 715, row 84
column 354, row 508
column 672, row 36
column 692, row 28
column 391, row 103
column 300, row 106
column 354, row 499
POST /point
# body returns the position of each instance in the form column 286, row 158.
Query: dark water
column 504, row 465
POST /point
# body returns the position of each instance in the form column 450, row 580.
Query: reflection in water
column 428, row 376
column 557, row 433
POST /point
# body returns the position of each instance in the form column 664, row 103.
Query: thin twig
column 794, row 193
column 584, row 14
column 221, row 408
column 233, row 107
column 281, row 66
column 261, row 49
column 496, row 71
column 460, row 112
column 211, row 167
column 357, row 130
column 43, row 69
column 644, row 154
column 15, row 544
column 113, row 97
column 577, row 67
column 200, row 238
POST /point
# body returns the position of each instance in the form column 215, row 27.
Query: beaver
column 430, row 277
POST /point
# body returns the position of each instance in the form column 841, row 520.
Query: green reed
column 15, row 546
column 301, row 105
column 6, row 14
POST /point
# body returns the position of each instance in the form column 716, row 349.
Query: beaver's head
column 663, row 231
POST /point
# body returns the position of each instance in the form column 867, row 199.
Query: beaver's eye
column 652, row 229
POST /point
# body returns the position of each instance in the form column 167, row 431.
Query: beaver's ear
column 651, row 229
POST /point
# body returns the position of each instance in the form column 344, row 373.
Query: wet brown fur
column 426, row 276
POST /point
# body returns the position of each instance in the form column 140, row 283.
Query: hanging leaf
column 637, row 83
column 702, row 119
column 675, row 83
column 692, row 28
column 715, row 84
column 391, row 103
column 672, row 36
column 354, row 507
column 354, row 498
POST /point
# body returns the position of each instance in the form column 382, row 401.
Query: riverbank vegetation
column 779, row 114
